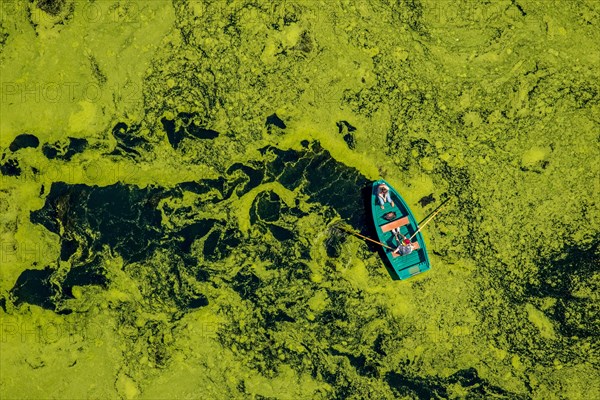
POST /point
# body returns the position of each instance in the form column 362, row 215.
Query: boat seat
column 394, row 224
column 415, row 246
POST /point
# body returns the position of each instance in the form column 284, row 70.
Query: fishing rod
column 436, row 212
column 364, row 237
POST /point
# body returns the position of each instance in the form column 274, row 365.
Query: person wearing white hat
column 383, row 195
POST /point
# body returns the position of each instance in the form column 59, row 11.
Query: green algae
column 184, row 251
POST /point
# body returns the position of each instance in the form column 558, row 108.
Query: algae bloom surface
column 171, row 171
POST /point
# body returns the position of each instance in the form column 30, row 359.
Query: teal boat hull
column 405, row 266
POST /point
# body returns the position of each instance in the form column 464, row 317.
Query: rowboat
column 398, row 216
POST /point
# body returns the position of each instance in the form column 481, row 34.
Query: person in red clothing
column 404, row 246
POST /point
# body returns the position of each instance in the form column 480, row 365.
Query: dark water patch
column 202, row 274
column 123, row 217
column 241, row 387
column 61, row 11
column 3, row 37
column 211, row 243
column 186, row 118
column 344, row 127
column 287, row 262
column 321, row 181
column 556, row 271
column 199, row 301
column 201, row 133
column 324, row 180
column 235, row 183
column 296, row 211
column 97, row 71
column 195, row 187
column 559, row 277
column 434, row 387
column 191, row 128
column 478, row 387
column 174, row 136
column 338, row 186
column 194, row 231
column 23, row 141
column 68, row 247
column 537, row 168
column 184, row 126
column 126, row 219
column 76, row 145
column 49, row 151
column 342, row 385
column 350, row 141
column 48, row 216
column 272, row 318
column 88, row 274
column 266, row 207
column 3, row 304
column 229, row 188
column 52, row 7
column 204, row 186
column 253, row 174
column 62, row 150
column 10, row 168
column 128, row 139
column 378, row 345
column 246, row 283
column 347, row 131
column 231, row 238
column 221, row 188
column 304, row 254
column 34, row 287
column 334, row 242
column 273, row 121
column 368, row 227
column 421, row 387
column 293, row 177
column 358, row 362
column 154, row 335
column 466, row 377
column 91, row 273
column 220, row 243
column 277, row 166
column 276, row 257
column 280, row 233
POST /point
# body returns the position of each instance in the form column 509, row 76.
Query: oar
column 364, row 237
column 430, row 218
